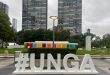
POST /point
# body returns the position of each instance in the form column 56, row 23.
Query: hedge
column 54, row 52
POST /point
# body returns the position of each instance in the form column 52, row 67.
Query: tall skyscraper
column 14, row 24
column 70, row 15
column 34, row 14
column 4, row 8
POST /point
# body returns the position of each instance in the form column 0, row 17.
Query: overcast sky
column 96, row 14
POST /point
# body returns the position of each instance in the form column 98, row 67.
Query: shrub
column 54, row 52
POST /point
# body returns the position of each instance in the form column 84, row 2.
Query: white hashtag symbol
column 22, row 62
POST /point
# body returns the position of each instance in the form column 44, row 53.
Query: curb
column 100, row 57
column 6, row 56
column 97, row 56
column 92, row 56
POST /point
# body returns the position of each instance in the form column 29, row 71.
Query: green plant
column 54, row 51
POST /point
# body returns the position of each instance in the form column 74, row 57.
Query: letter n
column 57, row 64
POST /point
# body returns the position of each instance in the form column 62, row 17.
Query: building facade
column 4, row 8
column 70, row 16
column 14, row 24
column 34, row 14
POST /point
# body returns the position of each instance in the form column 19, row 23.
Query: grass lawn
column 93, row 52
column 12, row 51
column 79, row 52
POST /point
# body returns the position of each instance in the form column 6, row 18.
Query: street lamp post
column 53, row 18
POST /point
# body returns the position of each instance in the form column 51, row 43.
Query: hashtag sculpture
column 22, row 62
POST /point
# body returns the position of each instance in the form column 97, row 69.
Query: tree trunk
column 2, row 43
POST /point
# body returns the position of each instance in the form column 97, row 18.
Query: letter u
column 32, row 62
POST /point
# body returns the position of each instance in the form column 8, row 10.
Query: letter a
column 87, row 64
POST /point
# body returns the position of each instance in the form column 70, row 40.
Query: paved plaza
column 7, row 66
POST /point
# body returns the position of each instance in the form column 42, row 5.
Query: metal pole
column 53, row 32
column 53, row 18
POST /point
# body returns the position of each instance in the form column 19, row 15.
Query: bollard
column 103, row 54
column 6, row 53
column 16, row 54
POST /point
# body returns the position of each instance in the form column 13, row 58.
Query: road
column 7, row 66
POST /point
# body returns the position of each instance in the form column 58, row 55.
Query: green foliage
column 62, row 35
column 102, row 43
column 41, row 35
column 47, row 35
column 62, row 51
column 12, row 51
column 6, row 32
column 106, row 40
column 2, row 50
column 93, row 52
column 80, row 39
column 54, row 51
column 96, row 42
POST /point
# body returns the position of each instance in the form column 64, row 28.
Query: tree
column 32, row 35
column 80, row 39
column 101, row 43
column 62, row 35
column 96, row 42
column 106, row 40
column 20, row 37
column 41, row 35
column 6, row 32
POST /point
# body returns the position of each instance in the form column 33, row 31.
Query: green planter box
column 54, row 52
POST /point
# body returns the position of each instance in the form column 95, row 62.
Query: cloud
column 96, row 10
column 15, row 11
column 53, row 11
column 96, row 16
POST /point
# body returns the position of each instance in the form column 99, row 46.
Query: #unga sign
column 26, row 65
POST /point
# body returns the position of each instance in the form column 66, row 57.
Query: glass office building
column 4, row 8
column 70, row 15
column 14, row 24
column 34, row 14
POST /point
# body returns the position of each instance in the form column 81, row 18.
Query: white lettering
column 74, row 64
column 70, row 65
column 52, row 60
column 87, row 63
column 22, row 62
column 32, row 62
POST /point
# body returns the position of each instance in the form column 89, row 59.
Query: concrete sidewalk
column 7, row 66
